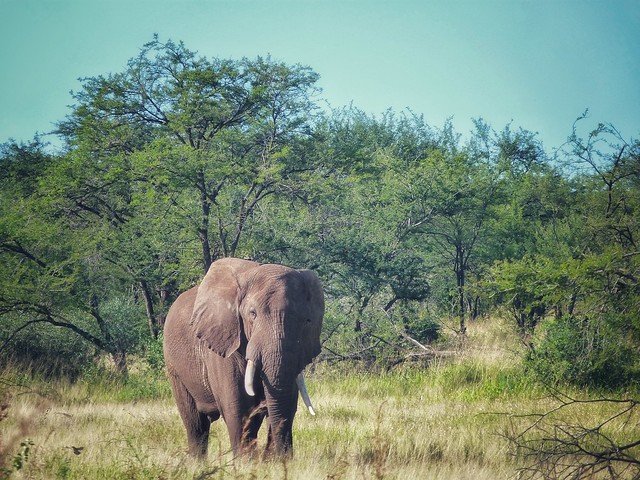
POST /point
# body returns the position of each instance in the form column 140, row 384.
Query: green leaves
column 178, row 160
column 166, row 164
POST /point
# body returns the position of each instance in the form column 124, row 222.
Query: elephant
column 235, row 347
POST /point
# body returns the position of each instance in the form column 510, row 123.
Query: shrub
column 43, row 349
column 585, row 352
column 125, row 323
column 153, row 354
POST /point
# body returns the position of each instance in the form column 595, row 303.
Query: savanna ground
column 448, row 420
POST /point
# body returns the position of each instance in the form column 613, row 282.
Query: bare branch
column 553, row 446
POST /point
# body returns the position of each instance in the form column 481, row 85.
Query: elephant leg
column 243, row 421
column 196, row 423
column 251, row 427
column 279, row 442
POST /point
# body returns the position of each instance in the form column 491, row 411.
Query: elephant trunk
column 275, row 368
column 249, row 378
column 282, row 403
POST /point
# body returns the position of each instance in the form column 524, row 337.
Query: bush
column 53, row 351
column 126, row 324
column 422, row 326
column 586, row 352
column 384, row 339
column 153, row 354
column 43, row 349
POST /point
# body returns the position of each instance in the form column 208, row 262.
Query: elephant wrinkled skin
column 267, row 316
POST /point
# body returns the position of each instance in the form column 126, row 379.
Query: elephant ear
column 215, row 319
column 315, row 302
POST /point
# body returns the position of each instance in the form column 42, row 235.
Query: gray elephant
column 236, row 345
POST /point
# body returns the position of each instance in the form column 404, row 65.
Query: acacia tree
column 188, row 145
column 51, row 268
column 165, row 164
column 401, row 203
column 355, row 212
column 201, row 125
column 449, row 198
column 583, row 269
column 458, row 199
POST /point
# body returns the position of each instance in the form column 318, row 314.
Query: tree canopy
column 179, row 160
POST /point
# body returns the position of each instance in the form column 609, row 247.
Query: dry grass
column 353, row 437
column 444, row 422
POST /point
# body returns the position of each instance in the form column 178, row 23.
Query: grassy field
column 447, row 421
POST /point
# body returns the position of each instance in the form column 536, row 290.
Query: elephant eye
column 253, row 313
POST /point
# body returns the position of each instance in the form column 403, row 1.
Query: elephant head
column 272, row 316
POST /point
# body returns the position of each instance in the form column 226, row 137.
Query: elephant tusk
column 248, row 378
column 305, row 395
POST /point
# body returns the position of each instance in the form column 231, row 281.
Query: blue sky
column 538, row 64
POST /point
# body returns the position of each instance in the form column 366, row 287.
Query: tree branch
column 554, row 448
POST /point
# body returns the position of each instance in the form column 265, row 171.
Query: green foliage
column 125, row 324
column 585, row 352
column 529, row 288
column 23, row 455
column 153, row 354
column 45, row 350
column 419, row 323
column 582, row 269
column 590, row 336
column 178, row 160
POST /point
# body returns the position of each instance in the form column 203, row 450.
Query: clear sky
column 537, row 63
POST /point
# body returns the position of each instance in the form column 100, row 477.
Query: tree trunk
column 460, row 281
column 148, row 303
column 473, row 306
column 203, row 233
column 120, row 361
column 363, row 305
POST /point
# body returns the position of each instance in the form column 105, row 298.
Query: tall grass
column 442, row 422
